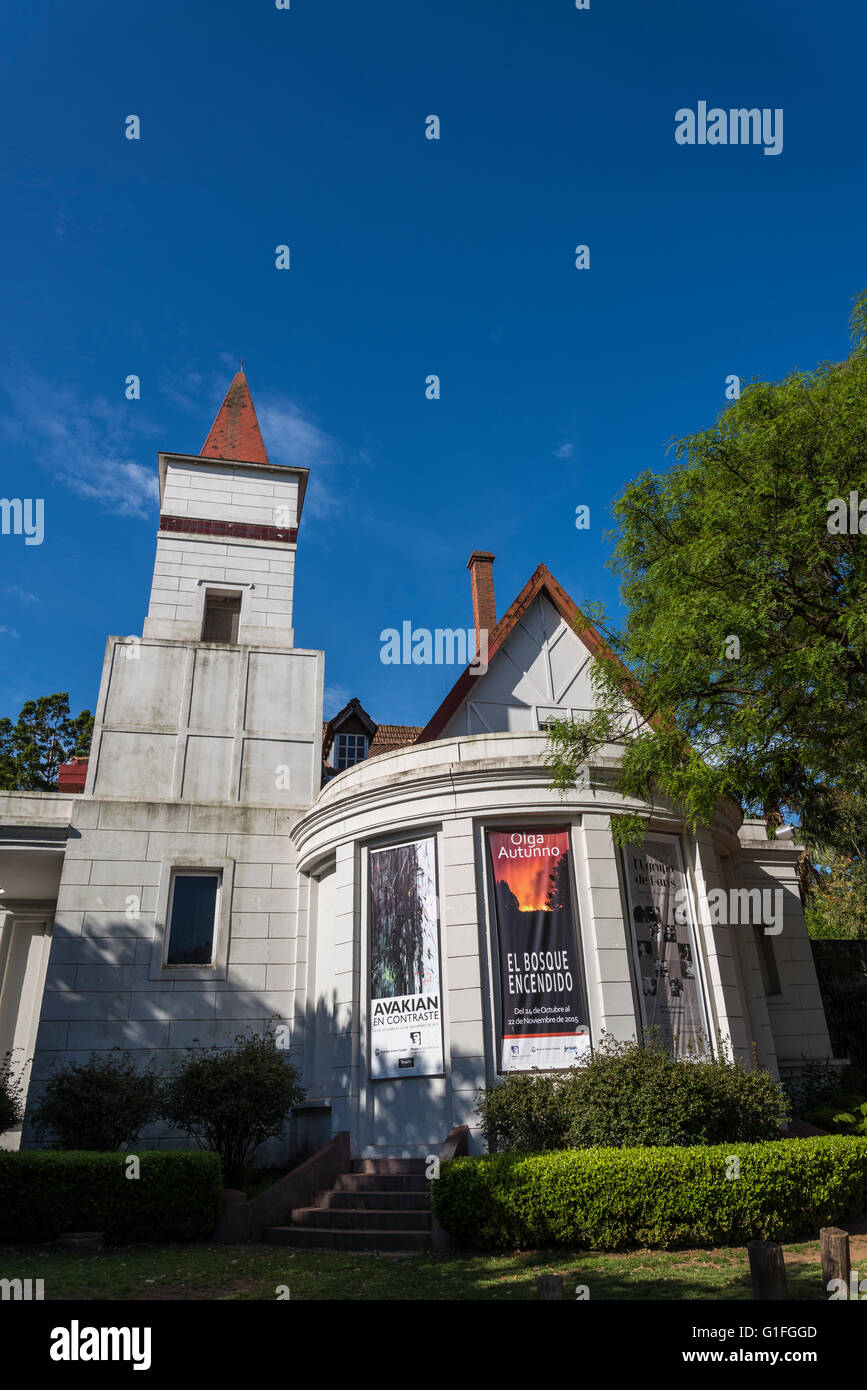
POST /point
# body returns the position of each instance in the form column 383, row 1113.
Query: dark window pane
column 350, row 749
column 222, row 615
column 191, row 934
column 767, row 961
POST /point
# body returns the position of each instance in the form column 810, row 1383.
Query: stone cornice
column 358, row 804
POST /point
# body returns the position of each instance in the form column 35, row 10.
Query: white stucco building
column 208, row 876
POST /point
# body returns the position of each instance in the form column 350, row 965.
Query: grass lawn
column 255, row 1271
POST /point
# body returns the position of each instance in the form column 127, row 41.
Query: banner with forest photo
column 406, row 1037
column 543, row 1000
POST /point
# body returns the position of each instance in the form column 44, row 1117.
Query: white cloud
column 15, row 591
column 565, row 451
column 8, row 632
column 334, row 699
column 91, row 447
column 291, row 437
column 105, row 450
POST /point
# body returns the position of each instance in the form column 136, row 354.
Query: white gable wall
column 542, row 669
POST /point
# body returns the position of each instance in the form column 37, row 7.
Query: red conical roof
column 235, row 433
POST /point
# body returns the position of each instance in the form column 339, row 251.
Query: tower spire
column 235, row 433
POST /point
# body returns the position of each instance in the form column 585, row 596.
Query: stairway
column 381, row 1204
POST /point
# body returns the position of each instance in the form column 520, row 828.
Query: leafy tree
column 745, row 644
column 43, row 738
column 231, row 1099
column 837, row 908
column 836, row 880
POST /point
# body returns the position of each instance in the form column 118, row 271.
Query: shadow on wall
column 164, row 1026
column 407, row 1116
column 105, row 998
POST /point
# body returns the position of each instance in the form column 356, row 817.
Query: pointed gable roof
column 235, row 433
column 541, row 581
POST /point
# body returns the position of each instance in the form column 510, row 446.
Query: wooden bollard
column 550, row 1286
column 836, row 1261
column 767, row 1269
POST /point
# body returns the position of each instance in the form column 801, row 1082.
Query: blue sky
column 409, row 257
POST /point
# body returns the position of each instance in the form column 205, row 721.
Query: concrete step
column 358, row 1219
column 374, row 1201
column 332, row 1238
column 389, row 1167
column 381, row 1182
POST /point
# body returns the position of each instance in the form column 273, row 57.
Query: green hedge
column 43, row 1193
column 611, row 1199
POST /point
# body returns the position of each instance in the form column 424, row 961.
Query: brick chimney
column 481, row 568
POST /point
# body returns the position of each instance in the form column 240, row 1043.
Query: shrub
column 11, row 1108
column 632, row 1094
column 528, row 1112
column 852, row 1120
column 233, row 1098
column 845, row 1114
column 44, row 1192
column 832, row 1097
column 816, row 1083
column 611, row 1199
column 99, row 1105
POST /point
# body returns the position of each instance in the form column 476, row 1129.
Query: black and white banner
column 663, row 940
column 406, row 1033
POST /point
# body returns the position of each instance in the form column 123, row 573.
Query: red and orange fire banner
column 543, row 998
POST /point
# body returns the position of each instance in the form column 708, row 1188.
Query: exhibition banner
column 406, row 1036
column 664, row 944
column 543, row 1000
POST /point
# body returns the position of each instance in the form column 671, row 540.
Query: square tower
column 180, row 917
column 225, row 562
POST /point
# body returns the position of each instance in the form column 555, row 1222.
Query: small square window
column 349, row 749
column 192, row 918
column 222, row 617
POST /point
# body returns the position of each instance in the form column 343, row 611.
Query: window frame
column 170, row 865
column 695, row 934
column 181, row 872
column 218, row 592
column 335, row 754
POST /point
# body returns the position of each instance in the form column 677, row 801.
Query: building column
column 24, row 946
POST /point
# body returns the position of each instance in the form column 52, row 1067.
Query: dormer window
column 347, row 738
column 349, row 749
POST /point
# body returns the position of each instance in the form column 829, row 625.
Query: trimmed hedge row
column 43, row 1193
column 611, row 1199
